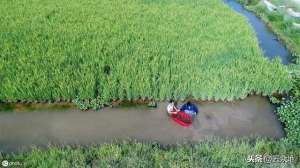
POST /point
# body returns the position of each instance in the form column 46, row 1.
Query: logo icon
column 4, row 163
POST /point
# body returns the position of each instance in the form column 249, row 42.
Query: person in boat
column 185, row 115
column 190, row 109
column 172, row 107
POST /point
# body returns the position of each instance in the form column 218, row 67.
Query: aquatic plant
column 289, row 112
column 133, row 49
column 289, row 115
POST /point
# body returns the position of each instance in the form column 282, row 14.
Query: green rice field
column 131, row 49
column 215, row 153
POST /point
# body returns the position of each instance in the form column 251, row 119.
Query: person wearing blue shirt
column 190, row 109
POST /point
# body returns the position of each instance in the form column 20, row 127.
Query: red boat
column 182, row 119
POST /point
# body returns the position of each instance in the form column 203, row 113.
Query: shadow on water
column 28, row 107
column 268, row 41
column 6, row 107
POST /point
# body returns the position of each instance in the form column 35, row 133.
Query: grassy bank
column 216, row 153
column 62, row 50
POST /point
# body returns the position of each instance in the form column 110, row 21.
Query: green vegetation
column 96, row 51
column 130, row 49
column 289, row 114
column 217, row 153
column 281, row 24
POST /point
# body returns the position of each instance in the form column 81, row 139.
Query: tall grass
column 130, row 49
column 218, row 153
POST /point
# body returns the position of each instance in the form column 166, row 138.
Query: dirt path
column 252, row 116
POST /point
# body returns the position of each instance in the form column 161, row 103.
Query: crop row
column 52, row 50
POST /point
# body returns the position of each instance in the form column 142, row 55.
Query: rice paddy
column 214, row 153
column 134, row 49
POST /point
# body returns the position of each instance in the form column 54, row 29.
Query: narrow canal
column 268, row 41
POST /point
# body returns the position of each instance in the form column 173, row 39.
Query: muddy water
column 252, row 116
column 268, row 41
